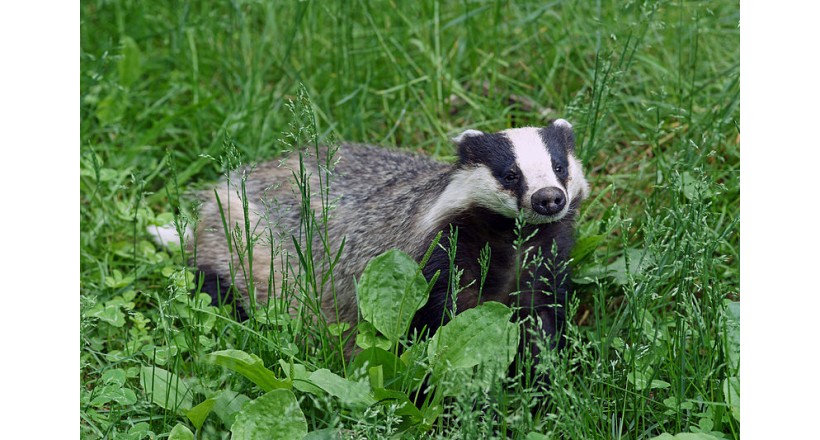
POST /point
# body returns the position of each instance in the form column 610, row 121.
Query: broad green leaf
column 181, row 432
column 114, row 376
column 300, row 377
column 250, row 366
column 199, row 413
column 348, row 391
column 705, row 424
column 116, row 280
column 367, row 337
column 392, row 366
column 129, row 65
column 272, row 416
column 483, row 334
column 338, row 328
column 228, row 404
column 141, row 430
column 404, row 407
column 111, row 314
column 390, row 291
column 536, row 436
column 114, row 393
column 376, row 376
column 731, row 395
column 166, row 389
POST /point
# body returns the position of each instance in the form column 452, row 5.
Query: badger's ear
column 559, row 134
column 467, row 142
column 466, row 134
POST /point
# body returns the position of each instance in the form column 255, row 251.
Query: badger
column 520, row 182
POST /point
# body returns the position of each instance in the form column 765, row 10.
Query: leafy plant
column 483, row 336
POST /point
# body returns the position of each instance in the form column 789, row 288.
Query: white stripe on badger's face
column 470, row 187
column 577, row 183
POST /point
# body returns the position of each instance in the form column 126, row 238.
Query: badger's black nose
column 548, row 201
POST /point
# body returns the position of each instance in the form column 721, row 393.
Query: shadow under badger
column 385, row 199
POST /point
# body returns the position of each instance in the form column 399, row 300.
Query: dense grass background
column 651, row 88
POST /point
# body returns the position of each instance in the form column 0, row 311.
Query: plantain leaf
column 199, row 413
column 350, row 392
column 227, row 405
column 481, row 335
column 392, row 367
column 390, row 291
column 166, row 389
column 275, row 415
column 180, row 432
column 250, row 366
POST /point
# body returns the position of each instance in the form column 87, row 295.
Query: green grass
column 652, row 90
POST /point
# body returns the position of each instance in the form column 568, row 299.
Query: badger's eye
column 559, row 169
column 511, row 177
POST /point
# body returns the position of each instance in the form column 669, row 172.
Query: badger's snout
column 549, row 201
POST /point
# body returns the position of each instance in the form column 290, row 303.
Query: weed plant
column 177, row 95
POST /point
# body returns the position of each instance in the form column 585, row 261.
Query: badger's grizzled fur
column 385, row 199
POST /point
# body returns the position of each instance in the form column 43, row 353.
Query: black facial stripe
column 495, row 151
column 559, row 141
column 487, row 149
column 519, row 187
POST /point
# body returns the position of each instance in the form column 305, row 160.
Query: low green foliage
column 250, row 366
column 272, row 416
column 166, row 389
column 173, row 95
column 483, row 336
column 180, row 432
column 391, row 290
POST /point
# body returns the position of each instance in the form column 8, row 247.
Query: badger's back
column 375, row 197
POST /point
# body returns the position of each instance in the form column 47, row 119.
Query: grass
column 652, row 90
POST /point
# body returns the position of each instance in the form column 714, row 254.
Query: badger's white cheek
column 577, row 186
column 470, row 187
column 484, row 190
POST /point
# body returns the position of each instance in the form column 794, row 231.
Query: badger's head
column 529, row 170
